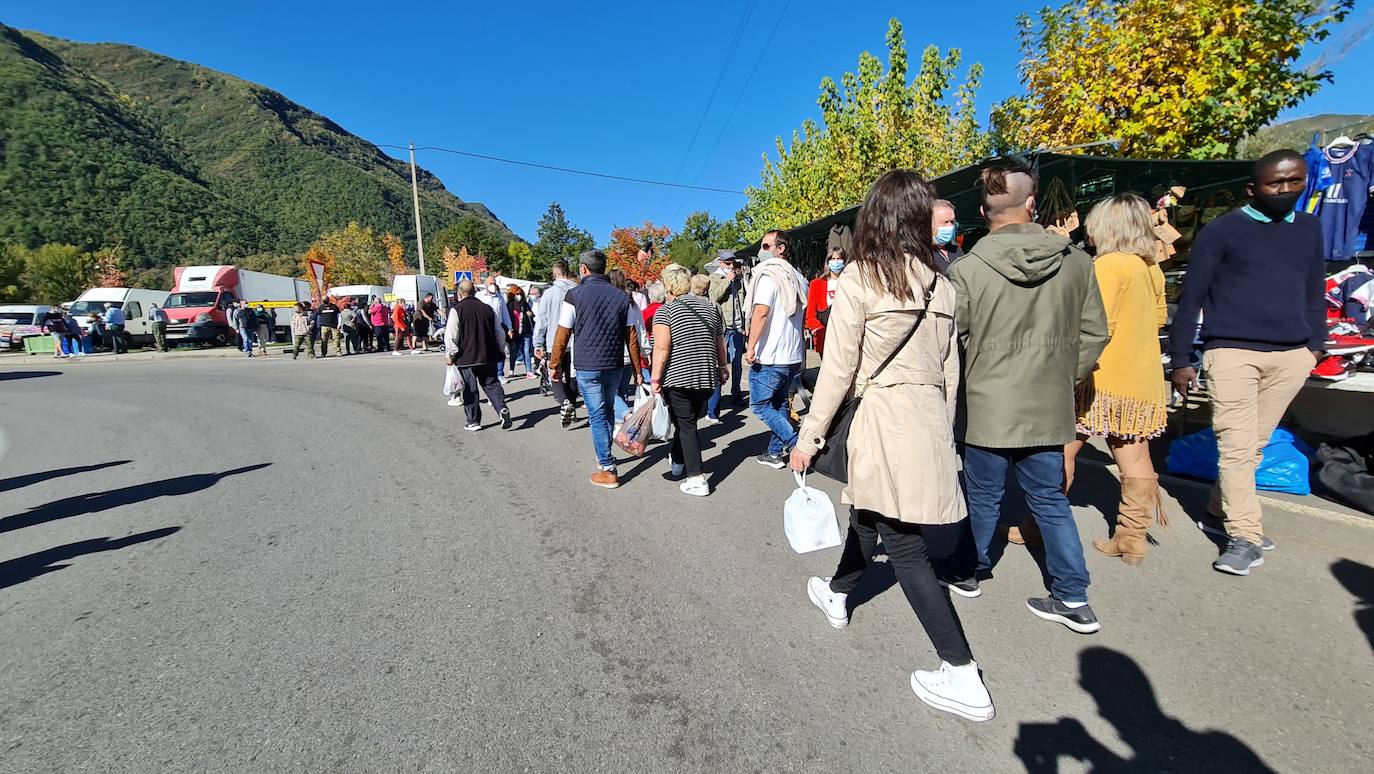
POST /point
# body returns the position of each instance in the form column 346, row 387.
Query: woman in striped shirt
column 689, row 363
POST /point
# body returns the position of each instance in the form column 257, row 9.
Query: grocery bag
column 661, row 428
column 808, row 518
column 636, row 429
column 453, row 381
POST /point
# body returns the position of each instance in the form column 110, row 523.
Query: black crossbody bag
column 832, row 461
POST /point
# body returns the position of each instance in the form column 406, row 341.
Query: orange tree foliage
column 395, row 253
column 317, row 254
column 109, row 267
column 626, row 252
column 461, row 261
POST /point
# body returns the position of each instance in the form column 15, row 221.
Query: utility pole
column 415, row 195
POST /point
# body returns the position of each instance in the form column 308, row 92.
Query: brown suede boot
column 1028, row 534
column 1139, row 506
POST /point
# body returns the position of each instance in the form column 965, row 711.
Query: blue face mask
column 944, row 234
column 836, row 266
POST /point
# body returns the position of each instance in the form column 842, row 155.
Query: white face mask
column 519, row 298
column 491, row 289
column 765, row 255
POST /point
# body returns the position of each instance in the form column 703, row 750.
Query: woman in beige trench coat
column 903, row 472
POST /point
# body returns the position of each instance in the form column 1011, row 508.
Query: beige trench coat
column 902, row 462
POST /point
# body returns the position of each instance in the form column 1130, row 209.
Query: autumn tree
column 558, row 238
column 479, row 236
column 13, row 284
column 872, row 121
column 109, row 267
column 1168, row 79
column 461, row 261
column 353, row 255
column 395, row 254
column 627, row 251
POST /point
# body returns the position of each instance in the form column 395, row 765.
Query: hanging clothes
column 1318, row 178
column 1345, row 199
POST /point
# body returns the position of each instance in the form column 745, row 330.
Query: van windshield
column 18, row 318
column 84, row 308
column 184, row 300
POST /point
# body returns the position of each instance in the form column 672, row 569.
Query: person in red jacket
column 820, row 295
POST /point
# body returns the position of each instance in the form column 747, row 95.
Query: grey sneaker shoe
column 774, row 461
column 967, row 587
column 1079, row 619
column 1215, row 526
column 1240, row 555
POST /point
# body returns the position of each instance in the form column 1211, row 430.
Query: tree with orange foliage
column 461, row 261
column 395, row 253
column 627, row 251
column 109, row 267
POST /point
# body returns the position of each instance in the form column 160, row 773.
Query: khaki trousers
column 1250, row 391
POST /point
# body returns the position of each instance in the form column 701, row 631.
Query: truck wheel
column 221, row 339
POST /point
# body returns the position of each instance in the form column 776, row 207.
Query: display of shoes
column 1333, row 368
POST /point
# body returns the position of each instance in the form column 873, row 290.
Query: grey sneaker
column 967, row 587
column 1240, row 555
column 1215, row 526
column 774, row 461
column 1079, row 619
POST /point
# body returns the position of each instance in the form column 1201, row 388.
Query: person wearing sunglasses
column 775, row 350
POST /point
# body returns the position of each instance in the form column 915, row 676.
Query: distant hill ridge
column 104, row 143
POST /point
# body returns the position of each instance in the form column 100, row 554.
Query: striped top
column 693, row 323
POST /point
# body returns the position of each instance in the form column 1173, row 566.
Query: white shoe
column 455, row 401
column 395, row 353
column 678, row 470
column 830, row 603
column 709, row 422
column 957, row 690
column 472, row 427
column 695, row 486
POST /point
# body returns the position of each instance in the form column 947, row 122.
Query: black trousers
column 686, row 407
column 564, row 389
column 906, row 551
column 380, row 331
column 483, row 376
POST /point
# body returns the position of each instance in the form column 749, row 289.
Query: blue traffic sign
column 459, row 276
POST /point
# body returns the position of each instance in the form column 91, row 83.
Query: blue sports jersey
column 1344, row 202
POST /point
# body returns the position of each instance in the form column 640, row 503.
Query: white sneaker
column 455, row 401
column 395, row 353
column 830, row 603
column 472, row 427
column 678, row 470
column 695, row 486
column 957, row 690
column 709, row 422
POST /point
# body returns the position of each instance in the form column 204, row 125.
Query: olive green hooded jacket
column 1031, row 322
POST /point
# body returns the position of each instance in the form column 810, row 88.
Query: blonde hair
column 1122, row 224
column 677, row 280
column 700, row 284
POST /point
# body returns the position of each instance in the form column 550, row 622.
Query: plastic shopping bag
column 636, row 429
column 1284, row 468
column 661, row 428
column 808, row 518
column 453, row 381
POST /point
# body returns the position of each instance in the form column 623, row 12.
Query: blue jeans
column 768, row 390
column 624, row 391
column 522, row 349
column 247, row 335
column 734, row 351
column 1040, row 471
column 599, row 395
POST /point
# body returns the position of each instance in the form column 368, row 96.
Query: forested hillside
column 107, row 144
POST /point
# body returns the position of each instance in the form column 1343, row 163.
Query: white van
column 20, row 321
column 134, row 301
column 362, row 295
column 412, row 288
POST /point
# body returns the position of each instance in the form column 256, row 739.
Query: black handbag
column 832, row 461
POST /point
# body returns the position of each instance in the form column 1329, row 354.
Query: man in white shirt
column 775, row 351
column 492, row 297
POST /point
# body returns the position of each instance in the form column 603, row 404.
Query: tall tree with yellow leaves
column 1168, row 78
column 395, row 254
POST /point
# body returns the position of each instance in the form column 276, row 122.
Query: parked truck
column 411, row 288
column 134, row 301
column 197, row 308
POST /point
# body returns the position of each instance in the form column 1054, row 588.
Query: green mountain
column 102, row 144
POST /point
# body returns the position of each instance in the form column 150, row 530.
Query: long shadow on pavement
column 1126, row 699
column 29, row 479
column 1358, row 579
column 9, row 376
column 26, row 568
column 114, row 498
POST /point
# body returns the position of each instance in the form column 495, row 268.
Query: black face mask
column 1276, row 206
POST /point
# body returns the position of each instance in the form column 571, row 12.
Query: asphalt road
column 266, row 565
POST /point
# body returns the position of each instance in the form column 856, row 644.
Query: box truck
column 134, row 301
column 201, row 295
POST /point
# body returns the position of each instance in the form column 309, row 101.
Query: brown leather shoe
column 606, row 479
column 1028, row 534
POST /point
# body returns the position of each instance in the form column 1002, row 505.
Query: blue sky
column 616, row 88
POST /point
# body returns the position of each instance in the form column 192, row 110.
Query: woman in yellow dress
column 1124, row 398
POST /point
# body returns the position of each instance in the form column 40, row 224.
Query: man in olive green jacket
column 1031, row 321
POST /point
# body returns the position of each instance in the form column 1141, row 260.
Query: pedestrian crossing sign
column 461, row 276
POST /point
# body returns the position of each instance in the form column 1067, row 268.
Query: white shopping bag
column 808, row 518
column 662, row 428
column 453, row 381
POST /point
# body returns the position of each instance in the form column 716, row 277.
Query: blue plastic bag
column 1285, row 467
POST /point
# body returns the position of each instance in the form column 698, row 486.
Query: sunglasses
column 766, row 246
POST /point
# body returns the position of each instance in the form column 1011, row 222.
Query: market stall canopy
column 1067, row 184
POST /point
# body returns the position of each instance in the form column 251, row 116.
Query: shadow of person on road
column 26, row 568
column 114, row 498
column 1126, row 699
column 9, row 376
column 1358, row 579
column 29, row 479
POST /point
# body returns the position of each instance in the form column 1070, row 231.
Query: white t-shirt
column 781, row 340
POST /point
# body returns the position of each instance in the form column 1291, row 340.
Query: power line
column 720, row 78
column 742, row 91
column 569, row 170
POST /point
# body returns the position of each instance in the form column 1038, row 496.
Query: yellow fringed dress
column 1125, row 395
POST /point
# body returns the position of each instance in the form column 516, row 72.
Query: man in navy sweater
column 1257, row 276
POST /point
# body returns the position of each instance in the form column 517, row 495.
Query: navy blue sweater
column 1259, row 286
